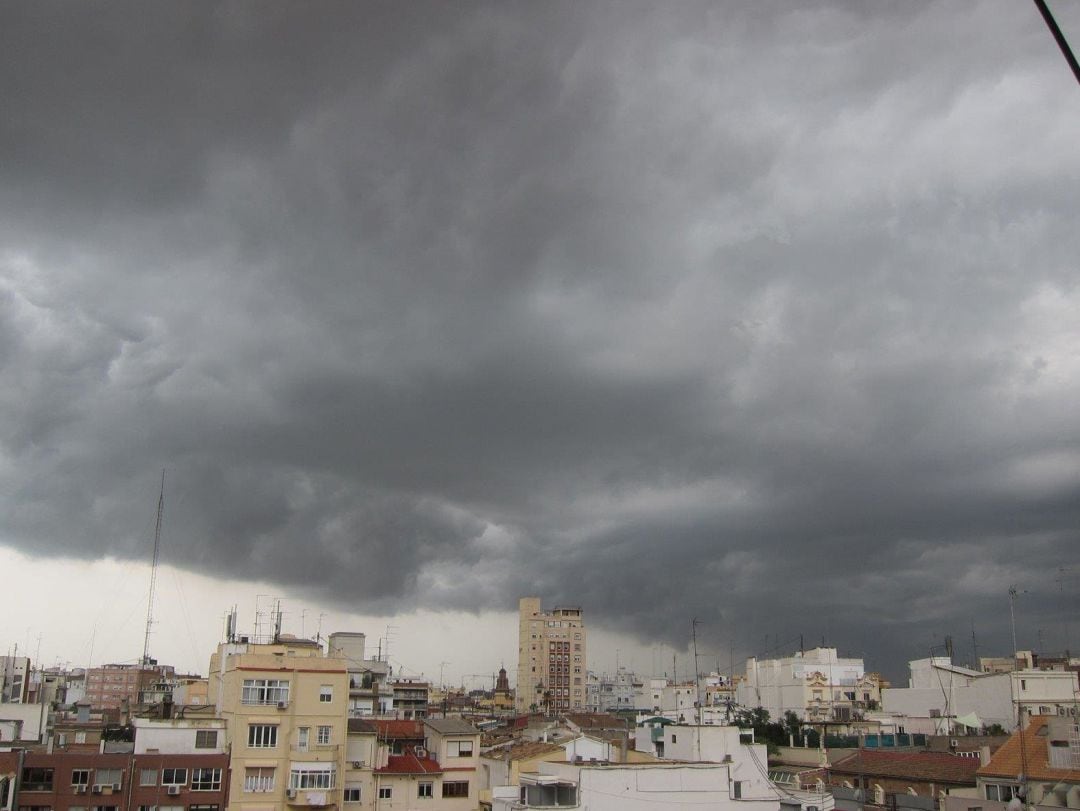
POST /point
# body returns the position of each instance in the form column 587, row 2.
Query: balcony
column 310, row 798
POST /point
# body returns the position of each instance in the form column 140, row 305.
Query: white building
column 662, row 696
column 179, row 736
column 370, row 691
column 943, row 698
column 605, row 693
column 817, row 685
column 14, row 679
column 23, row 723
column 649, row 787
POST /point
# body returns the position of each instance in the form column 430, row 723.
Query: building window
column 302, row 735
column 326, row 693
column 148, row 777
column 736, row 790
column 386, row 793
column 265, row 691
column 108, row 777
column 206, row 739
column 262, row 736
column 313, row 775
column 1001, row 793
column 352, row 794
column 174, row 777
column 459, row 748
column 206, row 779
column 80, row 737
column 259, row 779
column 425, row 790
column 36, row 779
column 323, row 735
column 202, row 808
column 80, row 777
column 457, row 788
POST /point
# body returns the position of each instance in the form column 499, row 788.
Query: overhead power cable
column 1059, row 37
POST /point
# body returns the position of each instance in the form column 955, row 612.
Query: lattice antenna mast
column 153, row 573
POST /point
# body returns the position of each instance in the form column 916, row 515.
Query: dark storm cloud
column 766, row 316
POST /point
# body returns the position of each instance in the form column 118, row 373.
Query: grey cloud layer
column 763, row 316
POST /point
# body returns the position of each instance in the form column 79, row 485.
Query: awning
column 969, row 720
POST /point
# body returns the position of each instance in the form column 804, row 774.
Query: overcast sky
column 762, row 313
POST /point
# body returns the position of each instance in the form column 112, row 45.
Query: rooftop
column 451, row 726
column 388, row 728
column 410, row 764
column 936, row 767
column 527, row 750
column 1011, row 758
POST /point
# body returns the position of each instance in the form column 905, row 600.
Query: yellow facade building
column 284, row 704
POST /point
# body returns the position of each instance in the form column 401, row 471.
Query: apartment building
column 411, row 697
column 94, row 781
column 551, row 659
column 14, row 679
column 605, row 692
column 430, row 764
column 285, row 710
column 370, row 692
column 943, row 698
column 817, row 685
column 109, row 687
column 1038, row 766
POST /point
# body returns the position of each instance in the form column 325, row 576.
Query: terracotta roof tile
column 410, row 764
column 392, row 729
column 933, row 767
column 1009, row 760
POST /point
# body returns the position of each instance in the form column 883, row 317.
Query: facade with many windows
column 92, row 781
column 400, row 765
column 284, row 705
column 552, row 671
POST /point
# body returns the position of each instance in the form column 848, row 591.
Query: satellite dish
column 1015, row 804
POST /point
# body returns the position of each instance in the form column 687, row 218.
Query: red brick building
column 91, row 781
column 109, row 686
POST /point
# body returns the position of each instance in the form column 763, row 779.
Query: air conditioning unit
column 97, row 789
column 282, row 705
column 173, row 791
column 115, row 786
column 358, row 764
column 420, row 751
column 80, row 789
column 954, row 743
column 290, row 793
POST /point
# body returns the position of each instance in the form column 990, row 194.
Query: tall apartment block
column 551, row 659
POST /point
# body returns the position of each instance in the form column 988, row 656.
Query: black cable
column 1051, row 23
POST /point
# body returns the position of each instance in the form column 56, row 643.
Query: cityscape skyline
column 762, row 314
